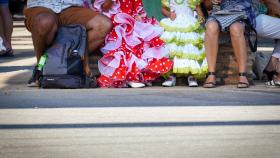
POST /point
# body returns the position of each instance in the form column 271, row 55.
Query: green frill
column 196, row 72
column 181, row 42
column 192, row 28
column 194, row 3
column 190, row 56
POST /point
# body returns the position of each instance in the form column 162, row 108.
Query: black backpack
column 64, row 65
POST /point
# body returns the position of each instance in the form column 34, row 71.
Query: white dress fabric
column 184, row 38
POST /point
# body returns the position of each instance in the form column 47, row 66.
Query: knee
column 212, row 29
column 237, row 30
column 44, row 24
column 100, row 24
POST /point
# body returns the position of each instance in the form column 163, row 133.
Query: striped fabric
column 227, row 18
column 56, row 5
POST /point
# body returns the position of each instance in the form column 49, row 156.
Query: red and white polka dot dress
column 133, row 50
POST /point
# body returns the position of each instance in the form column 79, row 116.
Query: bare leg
column 7, row 24
column 277, row 67
column 98, row 27
column 271, row 64
column 211, row 49
column 43, row 31
column 240, row 49
column 2, row 35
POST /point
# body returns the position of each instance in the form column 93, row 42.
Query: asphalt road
column 135, row 123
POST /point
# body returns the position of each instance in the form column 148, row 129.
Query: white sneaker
column 192, row 82
column 171, row 81
column 136, row 84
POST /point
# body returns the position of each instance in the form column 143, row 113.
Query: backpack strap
column 249, row 33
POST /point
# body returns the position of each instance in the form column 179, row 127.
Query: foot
column 136, row 84
column 243, row 81
column 192, row 82
column 169, row 82
column 269, row 74
column 210, row 81
column 34, row 80
column 91, row 81
column 275, row 82
column 8, row 53
column 149, row 84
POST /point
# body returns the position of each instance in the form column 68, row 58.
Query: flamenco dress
column 133, row 50
column 184, row 38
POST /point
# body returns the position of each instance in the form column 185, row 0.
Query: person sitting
column 269, row 27
column 236, row 27
column 44, row 17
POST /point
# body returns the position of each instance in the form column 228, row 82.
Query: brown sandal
column 210, row 84
column 243, row 84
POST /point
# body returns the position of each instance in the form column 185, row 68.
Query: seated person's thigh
column 268, row 26
column 76, row 15
column 39, row 15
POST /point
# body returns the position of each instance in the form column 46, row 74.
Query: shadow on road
column 23, row 54
column 141, row 124
column 4, row 69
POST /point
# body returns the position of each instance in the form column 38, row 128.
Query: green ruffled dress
column 184, row 38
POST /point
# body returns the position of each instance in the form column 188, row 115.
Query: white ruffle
column 204, row 63
column 186, row 63
column 107, row 66
column 181, row 36
column 186, row 49
column 181, row 21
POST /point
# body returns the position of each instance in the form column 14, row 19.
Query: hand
column 201, row 19
column 172, row 16
column 216, row 1
column 106, row 6
column 138, row 17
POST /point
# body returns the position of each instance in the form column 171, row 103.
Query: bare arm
column 106, row 6
column 273, row 6
column 167, row 13
column 208, row 4
column 199, row 13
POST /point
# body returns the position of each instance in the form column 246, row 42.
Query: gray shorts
column 222, row 28
column 269, row 27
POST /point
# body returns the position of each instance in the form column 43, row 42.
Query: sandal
column 243, row 84
column 210, row 84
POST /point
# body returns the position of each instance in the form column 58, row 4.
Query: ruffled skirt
column 184, row 38
column 133, row 52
